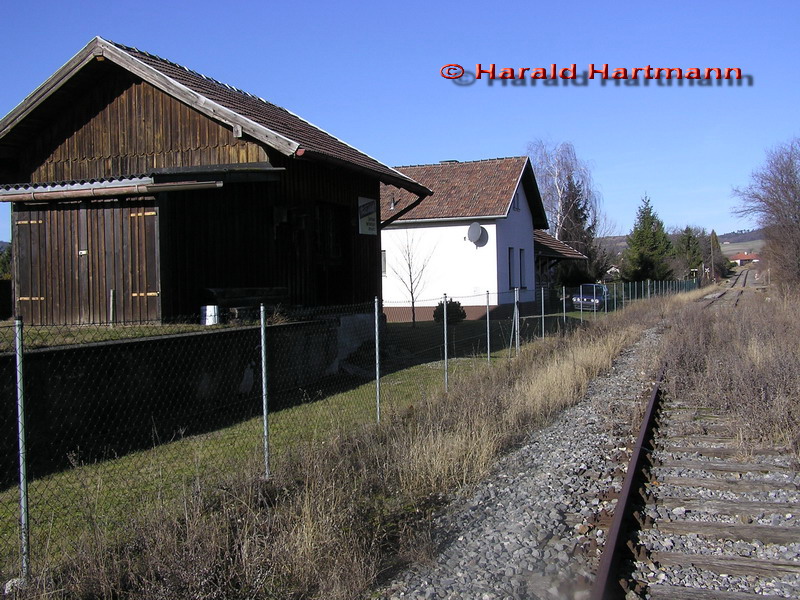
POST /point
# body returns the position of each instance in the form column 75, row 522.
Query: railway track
column 730, row 294
column 696, row 519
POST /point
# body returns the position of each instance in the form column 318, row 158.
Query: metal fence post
column 488, row 333
column 264, row 403
column 615, row 296
column 444, row 320
column 516, row 317
column 23, row 458
column 564, row 304
column 542, row 311
column 377, row 361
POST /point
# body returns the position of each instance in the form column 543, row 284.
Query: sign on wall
column 368, row 216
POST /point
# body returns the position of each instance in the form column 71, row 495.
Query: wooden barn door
column 119, row 271
column 141, row 256
column 69, row 257
column 29, row 239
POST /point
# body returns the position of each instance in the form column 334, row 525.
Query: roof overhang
column 229, row 173
column 547, row 246
column 400, row 181
column 442, row 220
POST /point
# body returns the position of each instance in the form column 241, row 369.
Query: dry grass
column 743, row 362
column 341, row 513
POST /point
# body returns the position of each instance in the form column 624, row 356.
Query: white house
column 474, row 234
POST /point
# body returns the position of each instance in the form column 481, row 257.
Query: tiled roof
column 744, row 256
column 482, row 188
column 546, row 245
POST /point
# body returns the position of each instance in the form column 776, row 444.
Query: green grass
column 736, row 247
column 64, row 335
column 69, row 507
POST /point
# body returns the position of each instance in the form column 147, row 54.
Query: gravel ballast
column 530, row 529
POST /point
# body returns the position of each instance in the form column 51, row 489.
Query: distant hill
column 748, row 241
column 751, row 240
column 4, row 245
column 744, row 235
column 614, row 243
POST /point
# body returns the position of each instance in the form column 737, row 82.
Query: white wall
column 457, row 267
column 516, row 231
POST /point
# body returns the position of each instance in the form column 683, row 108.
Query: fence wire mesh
column 122, row 420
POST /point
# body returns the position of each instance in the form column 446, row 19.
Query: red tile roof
column 744, row 256
column 482, row 188
column 546, row 245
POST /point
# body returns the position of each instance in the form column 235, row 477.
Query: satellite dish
column 474, row 233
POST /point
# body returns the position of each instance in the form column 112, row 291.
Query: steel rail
column 606, row 586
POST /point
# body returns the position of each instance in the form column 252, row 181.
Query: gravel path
column 528, row 530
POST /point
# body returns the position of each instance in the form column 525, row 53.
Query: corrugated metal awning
column 107, row 188
column 159, row 180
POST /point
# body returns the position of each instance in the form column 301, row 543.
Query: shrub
column 455, row 312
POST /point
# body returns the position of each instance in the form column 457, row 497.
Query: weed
column 350, row 500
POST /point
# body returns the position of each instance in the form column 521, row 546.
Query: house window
column 383, row 263
column 511, row 269
column 522, row 280
column 515, row 201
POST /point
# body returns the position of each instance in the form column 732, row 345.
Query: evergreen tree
column 648, row 247
column 688, row 251
column 575, row 230
column 5, row 263
column 716, row 260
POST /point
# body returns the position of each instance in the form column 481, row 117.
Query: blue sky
column 370, row 74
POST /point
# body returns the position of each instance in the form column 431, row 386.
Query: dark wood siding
column 300, row 233
column 160, row 255
column 314, row 194
column 123, row 126
column 71, row 255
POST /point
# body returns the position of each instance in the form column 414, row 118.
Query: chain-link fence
column 103, row 423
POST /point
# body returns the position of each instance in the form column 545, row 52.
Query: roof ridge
column 461, row 162
column 192, row 71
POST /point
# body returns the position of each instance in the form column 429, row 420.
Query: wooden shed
column 140, row 189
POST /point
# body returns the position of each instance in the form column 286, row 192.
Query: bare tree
column 573, row 208
column 558, row 172
column 773, row 198
column 411, row 270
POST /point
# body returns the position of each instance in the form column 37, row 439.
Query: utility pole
column 713, row 275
